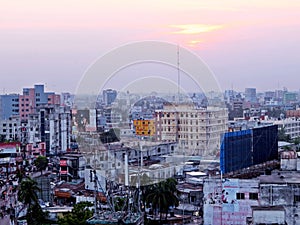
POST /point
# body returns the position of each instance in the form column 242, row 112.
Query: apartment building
column 144, row 127
column 35, row 97
column 50, row 124
column 290, row 125
column 9, row 106
column 10, row 128
column 197, row 130
column 229, row 201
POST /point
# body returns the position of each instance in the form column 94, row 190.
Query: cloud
column 194, row 43
column 195, row 28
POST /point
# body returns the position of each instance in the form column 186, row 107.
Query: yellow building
column 144, row 127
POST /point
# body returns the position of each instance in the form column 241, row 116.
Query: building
column 229, row 201
column 50, row 124
column 9, row 106
column 197, row 130
column 241, row 149
column 72, row 167
column 110, row 159
column 43, row 183
column 144, row 127
column 291, row 126
column 10, row 157
column 109, row 96
column 107, row 118
column 10, row 128
column 34, row 97
column 290, row 97
column 282, row 189
column 84, row 120
column 250, row 95
column 293, row 113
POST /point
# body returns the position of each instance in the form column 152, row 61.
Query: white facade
column 10, row 128
column 291, row 126
column 197, row 130
column 229, row 201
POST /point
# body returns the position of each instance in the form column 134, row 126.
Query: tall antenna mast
column 178, row 74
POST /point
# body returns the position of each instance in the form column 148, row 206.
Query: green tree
column 20, row 174
column 161, row 196
column 296, row 142
column 41, row 163
column 119, row 203
column 27, row 194
column 282, row 136
column 79, row 215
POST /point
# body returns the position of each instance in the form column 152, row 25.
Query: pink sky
column 253, row 43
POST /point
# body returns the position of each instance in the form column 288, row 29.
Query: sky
column 245, row 43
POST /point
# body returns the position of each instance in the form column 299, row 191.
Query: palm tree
column 41, row 163
column 27, row 194
column 20, row 174
column 161, row 196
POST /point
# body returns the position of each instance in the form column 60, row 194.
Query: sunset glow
column 195, row 28
column 63, row 37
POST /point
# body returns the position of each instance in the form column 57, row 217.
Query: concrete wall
column 268, row 217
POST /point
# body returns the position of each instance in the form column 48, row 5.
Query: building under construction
column 241, row 149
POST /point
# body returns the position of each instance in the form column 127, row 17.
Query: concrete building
column 9, row 106
column 250, row 95
column 197, row 130
column 282, row 189
column 10, row 128
column 72, row 167
column 144, row 127
column 293, row 113
column 34, row 97
column 290, row 125
column 229, row 201
column 110, row 159
column 109, row 96
column 290, row 97
column 50, row 124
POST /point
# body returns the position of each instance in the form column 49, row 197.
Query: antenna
column 178, row 74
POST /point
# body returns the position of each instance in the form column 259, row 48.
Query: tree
column 27, row 194
column 297, row 143
column 282, row 136
column 79, row 215
column 20, row 174
column 161, row 196
column 41, row 163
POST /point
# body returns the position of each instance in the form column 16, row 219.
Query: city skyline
column 245, row 44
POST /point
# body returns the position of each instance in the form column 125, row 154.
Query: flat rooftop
column 281, row 177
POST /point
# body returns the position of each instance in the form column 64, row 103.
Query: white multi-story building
column 291, row 126
column 52, row 125
column 10, row 128
column 197, row 130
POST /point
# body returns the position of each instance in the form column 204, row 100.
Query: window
column 240, row 195
column 253, row 196
column 296, row 198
